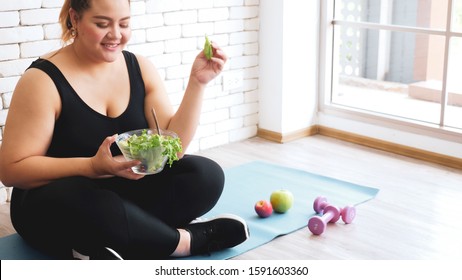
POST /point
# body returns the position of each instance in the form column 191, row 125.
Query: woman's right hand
column 104, row 164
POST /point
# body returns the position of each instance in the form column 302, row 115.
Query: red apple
column 281, row 200
column 263, row 208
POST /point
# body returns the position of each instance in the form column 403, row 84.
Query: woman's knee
column 207, row 173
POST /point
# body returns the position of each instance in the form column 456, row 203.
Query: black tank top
column 80, row 130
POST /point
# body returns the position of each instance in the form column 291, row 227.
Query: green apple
column 281, row 200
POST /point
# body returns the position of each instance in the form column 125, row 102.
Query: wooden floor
column 416, row 214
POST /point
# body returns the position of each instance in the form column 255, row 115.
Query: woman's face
column 104, row 29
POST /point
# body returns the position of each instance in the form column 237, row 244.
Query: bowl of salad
column 154, row 151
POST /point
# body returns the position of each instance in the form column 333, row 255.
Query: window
column 395, row 59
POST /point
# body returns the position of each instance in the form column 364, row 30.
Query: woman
column 74, row 193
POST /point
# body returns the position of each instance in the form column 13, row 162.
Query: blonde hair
column 79, row 6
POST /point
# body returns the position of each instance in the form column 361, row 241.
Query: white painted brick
column 251, row 96
column 243, row 110
column 252, row 72
column 250, row 84
column 229, row 26
column 221, row 39
column 167, row 60
column 1, row 107
column 180, row 71
column 52, row 31
column 14, row 67
column 186, row 80
column 16, row 5
column 137, row 8
column 180, row 45
column 215, row 14
column 9, row 190
column 251, row 120
column 146, row 21
column 3, row 195
column 252, row 2
column 138, row 37
column 214, row 91
column 234, row 50
column 252, row 24
column 239, row 62
column 196, row 4
column 188, row 57
column 205, row 131
column 175, row 98
column 162, row 73
column 3, row 114
column 243, row 133
column 39, row 16
column 214, row 141
column 9, row 19
column 163, row 33
column 251, row 49
column 52, row 3
column 197, row 29
column 38, row 48
column 193, row 147
column 216, row 81
column 214, row 116
column 243, row 12
column 181, row 17
column 228, row 3
column 160, row 6
column 229, row 124
column 6, row 97
column 208, row 105
column 8, row 52
column 243, row 37
column 229, row 100
column 20, row 34
column 174, row 86
column 8, row 84
column 147, row 49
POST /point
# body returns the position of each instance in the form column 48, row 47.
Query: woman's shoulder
column 51, row 54
column 148, row 71
column 146, row 65
column 141, row 59
column 37, row 74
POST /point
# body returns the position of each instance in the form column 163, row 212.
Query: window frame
column 326, row 76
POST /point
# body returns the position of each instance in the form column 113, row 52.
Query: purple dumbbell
column 347, row 213
column 317, row 224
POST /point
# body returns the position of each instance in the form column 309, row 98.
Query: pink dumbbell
column 347, row 213
column 317, row 224
column 319, row 204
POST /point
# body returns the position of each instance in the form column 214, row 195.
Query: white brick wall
column 169, row 33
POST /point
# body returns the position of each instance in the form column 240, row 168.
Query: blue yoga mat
column 245, row 185
column 248, row 183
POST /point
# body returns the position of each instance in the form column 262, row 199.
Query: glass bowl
column 150, row 156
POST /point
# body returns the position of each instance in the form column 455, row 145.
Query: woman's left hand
column 204, row 70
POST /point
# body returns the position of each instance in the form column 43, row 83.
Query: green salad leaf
column 208, row 50
column 144, row 144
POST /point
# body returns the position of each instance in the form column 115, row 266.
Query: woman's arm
column 28, row 132
column 186, row 119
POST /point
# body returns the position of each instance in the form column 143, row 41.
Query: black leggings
column 138, row 218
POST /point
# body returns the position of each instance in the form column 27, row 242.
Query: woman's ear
column 74, row 17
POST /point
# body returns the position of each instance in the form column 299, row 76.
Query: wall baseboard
column 282, row 138
column 399, row 149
